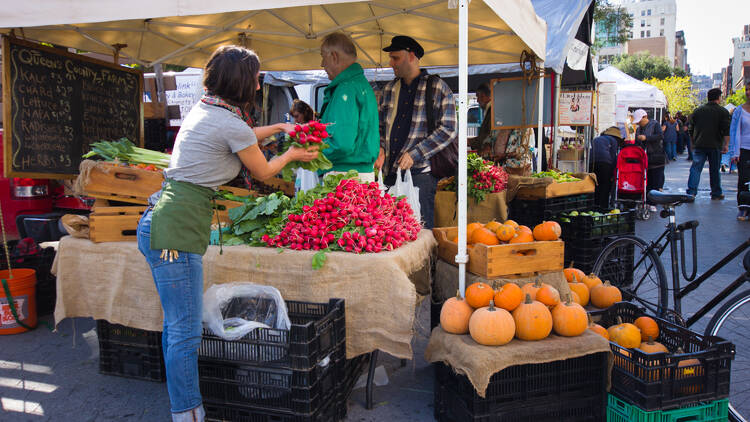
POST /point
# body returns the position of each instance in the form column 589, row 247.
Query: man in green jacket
column 349, row 105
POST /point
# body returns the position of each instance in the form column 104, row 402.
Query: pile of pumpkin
column 495, row 233
column 494, row 317
column 587, row 289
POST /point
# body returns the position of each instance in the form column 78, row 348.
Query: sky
column 709, row 27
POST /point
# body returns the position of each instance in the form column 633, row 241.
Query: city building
column 680, row 52
column 701, row 85
column 716, row 78
column 726, row 79
column 741, row 55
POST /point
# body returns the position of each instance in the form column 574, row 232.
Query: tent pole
column 540, row 132
column 556, row 139
column 463, row 71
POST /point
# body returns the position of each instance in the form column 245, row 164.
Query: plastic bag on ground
column 405, row 187
column 307, row 179
column 232, row 310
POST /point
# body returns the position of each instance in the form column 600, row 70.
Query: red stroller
column 632, row 164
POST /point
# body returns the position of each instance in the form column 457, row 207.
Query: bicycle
column 635, row 266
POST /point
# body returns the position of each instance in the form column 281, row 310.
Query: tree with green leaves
column 613, row 23
column 679, row 93
column 643, row 65
column 737, row 98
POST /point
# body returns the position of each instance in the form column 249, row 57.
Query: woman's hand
column 286, row 127
column 302, row 154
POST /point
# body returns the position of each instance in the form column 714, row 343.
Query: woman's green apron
column 181, row 220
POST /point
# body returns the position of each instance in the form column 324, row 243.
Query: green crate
column 619, row 410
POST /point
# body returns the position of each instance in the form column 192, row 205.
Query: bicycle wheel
column 628, row 263
column 731, row 323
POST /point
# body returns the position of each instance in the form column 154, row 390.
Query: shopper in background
column 603, row 162
column 669, row 128
column 213, row 143
column 649, row 134
column 709, row 128
column 739, row 134
column 301, row 112
column 485, row 140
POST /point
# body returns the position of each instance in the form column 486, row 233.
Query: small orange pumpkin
column 484, row 236
column 505, row 232
column 491, row 326
column 648, row 327
column 548, row 230
column 525, row 229
column 598, row 329
column 591, row 280
column 548, row 295
column 573, row 274
column 522, row 237
column 493, row 226
column 478, row 295
column 470, row 229
column 625, row 334
column 574, row 297
column 569, row 319
column 691, row 366
column 509, row 296
column 511, row 223
column 531, row 288
column 605, row 295
column 582, row 291
column 455, row 314
column 652, row 346
column 533, row 320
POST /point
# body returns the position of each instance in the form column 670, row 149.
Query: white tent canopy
column 286, row 34
column 631, row 92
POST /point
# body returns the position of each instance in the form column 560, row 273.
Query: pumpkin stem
column 492, row 306
column 537, row 283
column 650, row 341
column 458, row 294
column 528, row 299
column 607, row 283
column 567, row 299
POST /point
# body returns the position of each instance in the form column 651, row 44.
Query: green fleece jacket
column 349, row 103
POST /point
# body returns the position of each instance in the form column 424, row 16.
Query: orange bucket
column 23, row 290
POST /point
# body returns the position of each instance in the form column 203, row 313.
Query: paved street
column 53, row 376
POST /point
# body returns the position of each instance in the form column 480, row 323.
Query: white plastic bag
column 232, row 310
column 307, row 179
column 405, row 187
column 381, row 182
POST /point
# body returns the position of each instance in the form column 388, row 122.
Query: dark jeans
column 700, row 155
column 743, row 170
column 689, row 145
column 654, row 179
column 671, row 149
column 604, row 174
column 427, row 184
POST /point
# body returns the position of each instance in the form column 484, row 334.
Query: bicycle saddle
column 661, row 198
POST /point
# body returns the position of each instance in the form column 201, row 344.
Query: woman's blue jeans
column 670, row 147
column 180, row 287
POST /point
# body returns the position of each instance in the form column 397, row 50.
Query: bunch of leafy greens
column 267, row 214
column 319, row 163
column 125, row 151
column 557, row 176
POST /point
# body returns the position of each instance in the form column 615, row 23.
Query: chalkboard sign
column 507, row 105
column 56, row 104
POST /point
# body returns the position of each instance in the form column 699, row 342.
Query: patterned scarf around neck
column 217, row 101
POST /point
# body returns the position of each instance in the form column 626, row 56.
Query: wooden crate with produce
column 552, row 184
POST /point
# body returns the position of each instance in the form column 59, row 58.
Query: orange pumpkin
column 509, row 296
column 522, row 237
column 625, row 334
column 455, row 314
column 573, row 274
column 511, row 223
column 548, row 230
column 574, row 298
column 652, row 346
column 493, row 226
column 582, row 291
column 531, row 288
column 648, row 327
column 533, row 320
column 478, row 295
column 590, row 281
column 598, row 329
column 569, row 319
column 470, row 229
column 484, row 236
column 605, row 295
column 491, row 326
column 548, row 295
column 525, row 229
column 691, row 367
column 505, row 232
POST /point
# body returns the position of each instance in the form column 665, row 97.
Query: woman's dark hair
column 232, row 74
column 304, row 109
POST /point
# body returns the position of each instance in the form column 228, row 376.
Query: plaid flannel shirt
column 420, row 145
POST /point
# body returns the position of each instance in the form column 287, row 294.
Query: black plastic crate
column 353, row 369
column 272, row 389
column 435, row 308
column 317, row 329
column 655, row 381
column 533, row 212
column 141, row 362
column 216, row 412
column 41, row 263
column 548, row 391
column 587, row 227
column 130, row 352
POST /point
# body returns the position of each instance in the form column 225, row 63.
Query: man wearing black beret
column 409, row 138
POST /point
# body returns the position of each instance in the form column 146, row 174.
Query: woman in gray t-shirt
column 214, row 142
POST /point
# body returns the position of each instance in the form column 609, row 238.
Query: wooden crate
column 272, row 185
column 224, row 214
column 587, row 184
column 114, row 224
column 122, row 183
column 502, row 260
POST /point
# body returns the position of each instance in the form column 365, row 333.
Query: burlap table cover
column 494, row 207
column 446, row 281
column 112, row 281
column 479, row 362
